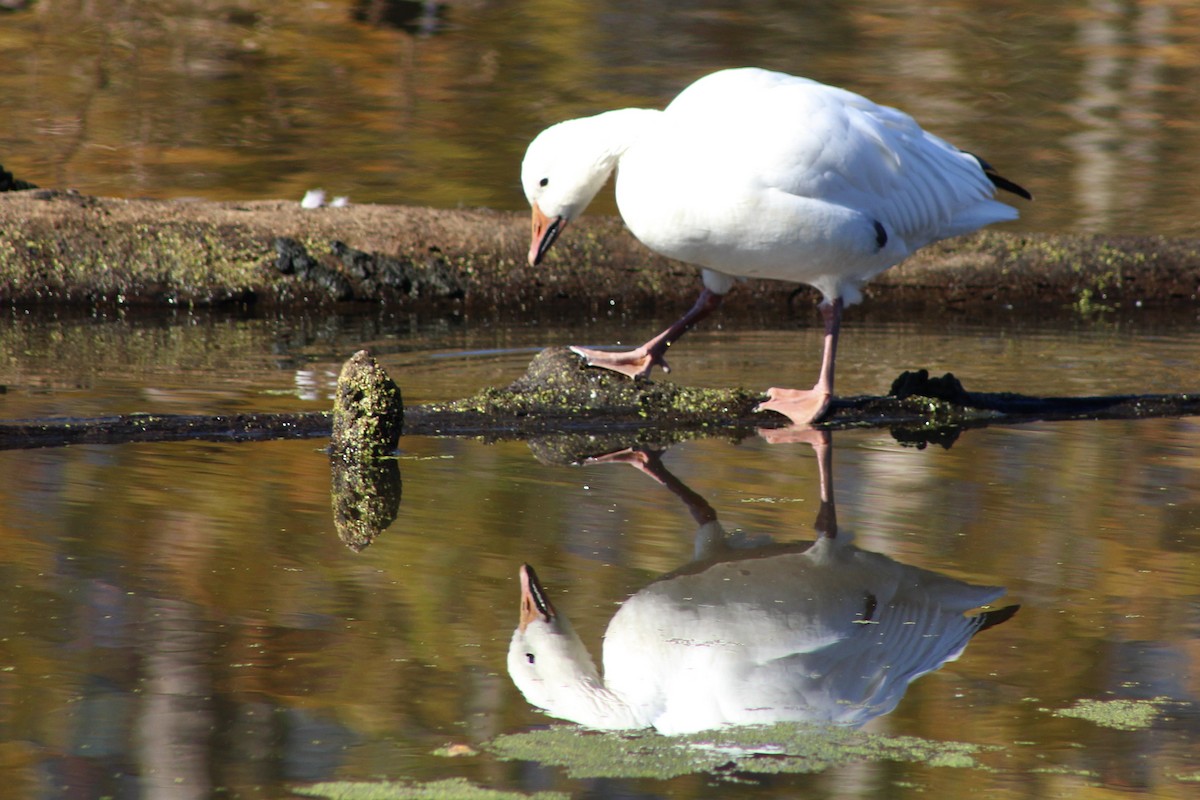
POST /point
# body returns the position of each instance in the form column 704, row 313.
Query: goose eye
column 529, row 657
column 543, row 182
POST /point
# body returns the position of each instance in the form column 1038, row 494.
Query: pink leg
column 637, row 363
column 803, row 406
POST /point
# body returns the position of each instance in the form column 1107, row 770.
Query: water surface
column 183, row 618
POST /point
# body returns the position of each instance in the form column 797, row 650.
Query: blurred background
column 1090, row 103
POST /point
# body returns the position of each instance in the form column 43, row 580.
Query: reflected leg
column 649, row 462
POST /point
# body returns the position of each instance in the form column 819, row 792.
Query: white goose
column 826, row 633
column 757, row 174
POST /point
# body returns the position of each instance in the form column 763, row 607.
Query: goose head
column 551, row 667
column 567, row 164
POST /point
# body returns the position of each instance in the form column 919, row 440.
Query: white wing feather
column 821, row 142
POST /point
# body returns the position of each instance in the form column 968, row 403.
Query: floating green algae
column 780, row 748
column 1124, row 715
column 449, row 789
column 1078, row 773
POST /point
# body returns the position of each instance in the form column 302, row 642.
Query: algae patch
column 1124, row 715
column 780, row 748
column 457, row 788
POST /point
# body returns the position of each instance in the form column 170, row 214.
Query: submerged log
column 128, row 428
column 559, row 396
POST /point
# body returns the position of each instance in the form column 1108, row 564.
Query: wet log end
column 368, row 412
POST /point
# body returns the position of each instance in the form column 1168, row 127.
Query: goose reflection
column 751, row 633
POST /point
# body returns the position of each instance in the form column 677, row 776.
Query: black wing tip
column 999, row 181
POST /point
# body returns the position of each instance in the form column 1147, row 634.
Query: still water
column 181, row 620
column 1089, row 103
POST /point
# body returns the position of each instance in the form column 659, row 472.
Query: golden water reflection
column 154, row 590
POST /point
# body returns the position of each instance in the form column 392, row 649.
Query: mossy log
column 560, row 396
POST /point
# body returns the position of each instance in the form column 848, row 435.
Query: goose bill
column 545, row 233
column 535, row 605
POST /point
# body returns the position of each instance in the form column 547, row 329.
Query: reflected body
column 757, row 174
column 321, row 663
column 823, row 633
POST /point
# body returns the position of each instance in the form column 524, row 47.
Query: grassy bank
column 65, row 248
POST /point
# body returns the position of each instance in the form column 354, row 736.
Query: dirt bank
column 64, row 248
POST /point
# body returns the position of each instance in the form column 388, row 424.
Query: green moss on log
column 559, row 383
column 368, row 412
